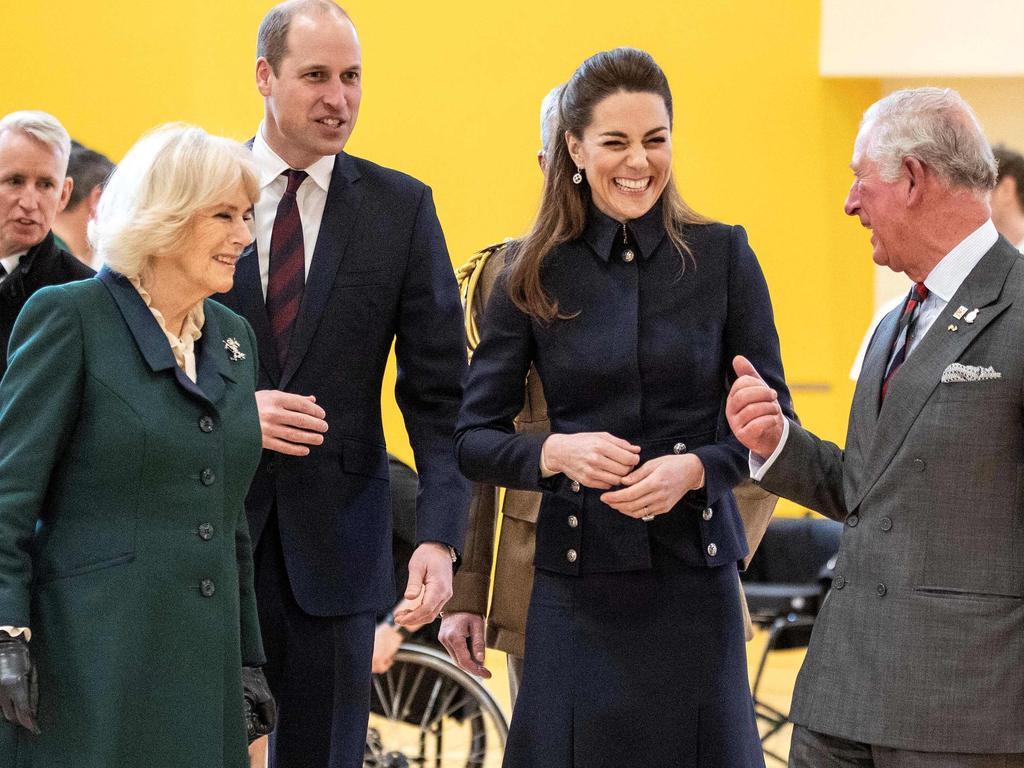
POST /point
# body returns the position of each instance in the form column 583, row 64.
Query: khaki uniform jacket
column 513, row 561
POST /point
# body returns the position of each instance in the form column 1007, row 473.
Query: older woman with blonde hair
column 128, row 438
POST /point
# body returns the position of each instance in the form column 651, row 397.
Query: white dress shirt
column 11, row 263
column 942, row 282
column 311, row 197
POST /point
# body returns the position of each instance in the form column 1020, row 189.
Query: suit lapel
column 249, row 290
column 343, row 200
column 869, row 383
column 914, row 383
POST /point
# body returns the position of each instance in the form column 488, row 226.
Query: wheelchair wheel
column 425, row 712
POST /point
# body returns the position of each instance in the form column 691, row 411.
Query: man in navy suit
column 349, row 257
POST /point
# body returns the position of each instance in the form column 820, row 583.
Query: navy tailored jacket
column 380, row 274
column 647, row 356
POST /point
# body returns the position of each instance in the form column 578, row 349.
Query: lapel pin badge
column 971, row 316
column 231, row 345
column 952, row 328
column 960, row 312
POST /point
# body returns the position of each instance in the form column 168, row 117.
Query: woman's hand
column 656, row 486
column 593, row 459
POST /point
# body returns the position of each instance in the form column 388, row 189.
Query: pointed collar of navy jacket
column 604, row 234
column 211, row 368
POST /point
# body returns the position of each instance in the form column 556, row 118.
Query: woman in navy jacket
column 631, row 306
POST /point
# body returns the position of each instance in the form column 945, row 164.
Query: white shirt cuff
column 758, row 466
column 16, row 631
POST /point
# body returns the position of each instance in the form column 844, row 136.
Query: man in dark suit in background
column 349, row 257
column 916, row 657
column 34, row 187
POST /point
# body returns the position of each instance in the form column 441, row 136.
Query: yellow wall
column 451, row 95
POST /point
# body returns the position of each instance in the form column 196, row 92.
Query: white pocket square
column 958, row 372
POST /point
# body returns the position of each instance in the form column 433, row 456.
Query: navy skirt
column 642, row 669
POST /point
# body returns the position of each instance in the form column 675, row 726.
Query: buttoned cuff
column 758, row 466
column 18, row 632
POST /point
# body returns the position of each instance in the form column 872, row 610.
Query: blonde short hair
column 43, row 127
column 149, row 202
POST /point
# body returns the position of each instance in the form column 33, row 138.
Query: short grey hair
column 549, row 116
column 43, row 127
column 150, row 201
column 933, row 125
column 272, row 38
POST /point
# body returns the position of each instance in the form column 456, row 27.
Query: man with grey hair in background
column 916, row 657
column 34, row 187
column 89, row 170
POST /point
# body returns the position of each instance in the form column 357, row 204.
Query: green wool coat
column 123, row 539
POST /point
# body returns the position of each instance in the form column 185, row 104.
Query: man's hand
column 290, row 422
column 594, row 459
column 260, row 707
column 656, row 486
column 462, row 635
column 430, row 585
column 19, row 695
column 753, row 410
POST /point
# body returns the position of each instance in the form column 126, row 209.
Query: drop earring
column 577, row 178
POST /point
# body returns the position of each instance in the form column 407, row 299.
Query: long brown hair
column 563, row 208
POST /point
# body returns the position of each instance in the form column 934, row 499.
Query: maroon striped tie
column 911, row 309
column 287, row 266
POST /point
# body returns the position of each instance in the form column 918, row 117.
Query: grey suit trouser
column 810, row 749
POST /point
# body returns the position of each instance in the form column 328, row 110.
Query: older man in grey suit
column 917, row 658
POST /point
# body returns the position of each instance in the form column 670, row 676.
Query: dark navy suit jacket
column 380, row 274
column 646, row 357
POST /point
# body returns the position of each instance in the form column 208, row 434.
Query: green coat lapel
column 211, row 367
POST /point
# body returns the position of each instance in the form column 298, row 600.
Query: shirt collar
column 271, row 166
column 604, row 234
column 11, row 262
column 946, row 277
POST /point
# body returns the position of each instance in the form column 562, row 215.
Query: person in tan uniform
column 467, row 626
column 463, row 624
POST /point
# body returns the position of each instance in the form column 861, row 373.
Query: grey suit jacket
column 920, row 643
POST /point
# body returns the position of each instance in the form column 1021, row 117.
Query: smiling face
column 313, row 100
column 881, row 207
column 205, row 263
column 626, row 153
column 33, row 189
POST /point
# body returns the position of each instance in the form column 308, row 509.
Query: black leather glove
column 260, row 707
column 19, row 693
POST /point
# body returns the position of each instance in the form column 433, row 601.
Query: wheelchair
column 425, row 712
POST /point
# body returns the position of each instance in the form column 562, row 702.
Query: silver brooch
column 232, row 346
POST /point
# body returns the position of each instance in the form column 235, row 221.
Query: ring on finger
column 647, row 517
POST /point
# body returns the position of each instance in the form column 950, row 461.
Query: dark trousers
column 318, row 669
column 810, row 749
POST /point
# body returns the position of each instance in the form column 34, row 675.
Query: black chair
column 785, row 585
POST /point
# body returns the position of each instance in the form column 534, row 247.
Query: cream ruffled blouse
column 184, row 346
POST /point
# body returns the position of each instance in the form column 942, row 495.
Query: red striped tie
column 287, row 267
column 908, row 318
